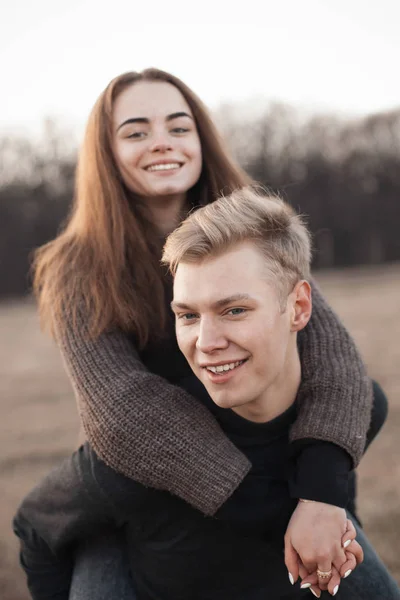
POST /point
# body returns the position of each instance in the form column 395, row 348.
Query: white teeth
column 227, row 367
column 165, row 167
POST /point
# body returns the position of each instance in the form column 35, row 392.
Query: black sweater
column 176, row 552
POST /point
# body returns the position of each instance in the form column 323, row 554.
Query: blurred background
column 307, row 96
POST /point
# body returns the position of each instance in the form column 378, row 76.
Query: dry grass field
column 38, row 421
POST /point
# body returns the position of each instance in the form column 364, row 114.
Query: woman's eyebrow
column 170, row 117
column 176, row 115
column 134, row 120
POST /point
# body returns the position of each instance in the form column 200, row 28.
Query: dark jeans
column 102, row 569
column 370, row 580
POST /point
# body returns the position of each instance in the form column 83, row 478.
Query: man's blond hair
column 245, row 216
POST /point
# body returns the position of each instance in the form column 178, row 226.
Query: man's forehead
column 213, row 289
column 209, row 281
column 242, row 264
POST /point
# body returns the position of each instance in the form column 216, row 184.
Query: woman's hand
column 354, row 555
column 320, row 537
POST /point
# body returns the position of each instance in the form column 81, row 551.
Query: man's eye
column 236, row 311
column 187, row 316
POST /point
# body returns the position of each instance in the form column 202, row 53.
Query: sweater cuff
column 320, row 471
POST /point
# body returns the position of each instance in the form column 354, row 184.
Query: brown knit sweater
column 156, row 433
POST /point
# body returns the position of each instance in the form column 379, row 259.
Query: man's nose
column 211, row 337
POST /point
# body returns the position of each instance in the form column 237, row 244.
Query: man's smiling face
column 231, row 327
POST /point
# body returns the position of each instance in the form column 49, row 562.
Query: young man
column 241, row 294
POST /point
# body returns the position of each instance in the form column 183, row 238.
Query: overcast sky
column 336, row 55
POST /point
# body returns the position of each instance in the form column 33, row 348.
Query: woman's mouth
column 164, row 167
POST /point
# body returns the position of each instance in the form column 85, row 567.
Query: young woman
column 150, row 155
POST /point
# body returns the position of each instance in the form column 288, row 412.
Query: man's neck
column 279, row 396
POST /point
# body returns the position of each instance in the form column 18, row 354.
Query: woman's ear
column 301, row 305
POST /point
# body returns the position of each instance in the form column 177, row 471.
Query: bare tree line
column 344, row 174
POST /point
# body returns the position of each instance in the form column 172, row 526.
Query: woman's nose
column 161, row 144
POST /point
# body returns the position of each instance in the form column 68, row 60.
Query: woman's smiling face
column 155, row 141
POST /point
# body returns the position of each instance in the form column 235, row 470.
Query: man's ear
column 301, row 305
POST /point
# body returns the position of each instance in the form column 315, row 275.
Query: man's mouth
column 164, row 166
column 225, row 367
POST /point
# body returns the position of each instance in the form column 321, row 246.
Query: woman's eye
column 180, row 130
column 137, row 134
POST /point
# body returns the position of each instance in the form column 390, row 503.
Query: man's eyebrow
column 229, row 299
column 181, row 305
column 218, row 304
column 170, row 117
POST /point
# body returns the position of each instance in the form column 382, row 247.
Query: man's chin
column 224, row 401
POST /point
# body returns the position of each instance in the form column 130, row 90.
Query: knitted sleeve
column 144, row 427
column 335, row 397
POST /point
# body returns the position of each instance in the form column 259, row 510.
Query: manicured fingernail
column 305, row 586
column 335, row 589
column 347, row 573
column 347, row 544
column 291, row 579
column 315, row 593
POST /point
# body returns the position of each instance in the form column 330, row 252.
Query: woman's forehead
column 150, row 100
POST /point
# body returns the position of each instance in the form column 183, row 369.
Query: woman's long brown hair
column 106, row 260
